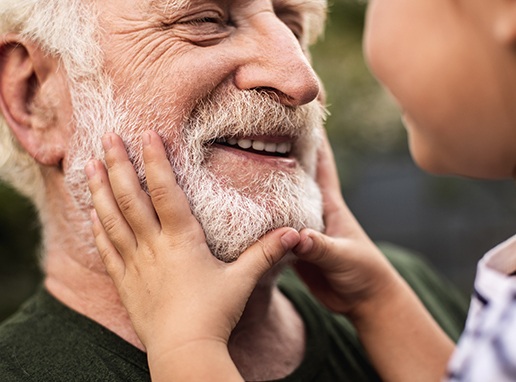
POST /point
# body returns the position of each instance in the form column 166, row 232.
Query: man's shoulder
column 46, row 340
column 23, row 328
column 24, row 342
column 40, row 324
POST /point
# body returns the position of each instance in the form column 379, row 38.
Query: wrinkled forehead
column 313, row 11
column 302, row 5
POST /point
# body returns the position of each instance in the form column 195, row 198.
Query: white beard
column 231, row 218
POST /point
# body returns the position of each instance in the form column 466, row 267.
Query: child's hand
column 349, row 274
column 176, row 292
column 343, row 267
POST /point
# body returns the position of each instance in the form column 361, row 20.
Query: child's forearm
column 199, row 361
column 401, row 338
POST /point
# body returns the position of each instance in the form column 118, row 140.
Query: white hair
column 64, row 29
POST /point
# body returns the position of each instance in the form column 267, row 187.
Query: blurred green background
column 450, row 221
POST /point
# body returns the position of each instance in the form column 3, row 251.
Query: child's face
column 454, row 76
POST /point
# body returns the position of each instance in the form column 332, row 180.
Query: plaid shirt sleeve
column 486, row 350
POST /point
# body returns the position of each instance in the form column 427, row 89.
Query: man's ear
column 34, row 99
column 505, row 22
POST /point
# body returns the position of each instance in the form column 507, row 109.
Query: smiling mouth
column 280, row 149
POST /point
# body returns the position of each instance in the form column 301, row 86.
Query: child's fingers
column 133, row 202
column 327, row 173
column 319, row 264
column 113, row 262
column 267, row 252
column 317, row 248
column 109, row 215
column 337, row 216
column 167, row 197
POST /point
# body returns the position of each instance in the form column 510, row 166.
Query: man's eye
column 201, row 28
column 203, row 20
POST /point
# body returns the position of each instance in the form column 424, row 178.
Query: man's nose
column 278, row 65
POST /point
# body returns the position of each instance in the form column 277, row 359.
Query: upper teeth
column 270, row 147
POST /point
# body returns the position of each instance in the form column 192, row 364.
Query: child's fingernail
column 146, row 138
column 307, row 244
column 107, row 142
column 289, row 239
column 90, row 169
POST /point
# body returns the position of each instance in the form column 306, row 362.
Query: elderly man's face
column 228, row 87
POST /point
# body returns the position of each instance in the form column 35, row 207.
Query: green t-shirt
column 47, row 341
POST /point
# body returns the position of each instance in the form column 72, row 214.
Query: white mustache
column 237, row 114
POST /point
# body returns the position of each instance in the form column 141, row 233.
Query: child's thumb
column 267, row 252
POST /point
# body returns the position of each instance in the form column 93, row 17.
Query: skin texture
column 456, row 88
column 152, row 50
column 458, row 123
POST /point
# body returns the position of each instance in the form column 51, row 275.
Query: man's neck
column 268, row 344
